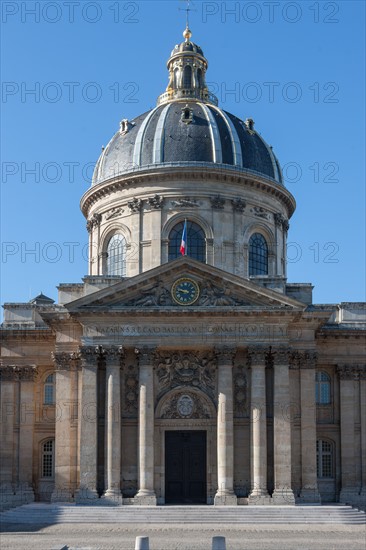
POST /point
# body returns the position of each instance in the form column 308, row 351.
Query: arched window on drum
column 195, row 242
column 258, row 255
column 116, row 256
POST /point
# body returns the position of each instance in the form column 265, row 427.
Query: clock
column 185, row 291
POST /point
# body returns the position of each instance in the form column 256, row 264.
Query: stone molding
column 351, row 372
column 123, row 181
column 11, row 373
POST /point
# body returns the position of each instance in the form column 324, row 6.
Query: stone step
column 51, row 514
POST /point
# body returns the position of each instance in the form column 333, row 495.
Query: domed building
column 184, row 368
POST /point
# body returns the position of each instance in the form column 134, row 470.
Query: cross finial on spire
column 187, row 10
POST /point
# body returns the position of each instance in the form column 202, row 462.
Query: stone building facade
column 197, row 378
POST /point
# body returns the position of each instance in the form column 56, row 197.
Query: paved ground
column 184, row 537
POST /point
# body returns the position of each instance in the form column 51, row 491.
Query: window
column 199, row 78
column 49, row 390
column 324, row 459
column 258, row 255
column 196, row 242
column 48, row 466
column 187, row 77
column 322, row 388
column 116, row 256
column 176, row 78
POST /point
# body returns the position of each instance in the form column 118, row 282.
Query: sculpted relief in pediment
column 209, row 295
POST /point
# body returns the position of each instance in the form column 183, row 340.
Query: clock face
column 185, row 291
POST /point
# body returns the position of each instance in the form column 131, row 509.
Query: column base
column 283, row 497
column 145, row 498
column 259, row 498
column 309, row 495
column 84, row 495
column 225, row 499
column 112, row 498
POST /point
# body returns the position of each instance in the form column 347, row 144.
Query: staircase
column 49, row 514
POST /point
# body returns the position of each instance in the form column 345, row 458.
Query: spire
column 187, row 68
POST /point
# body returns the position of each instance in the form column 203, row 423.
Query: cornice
column 206, row 173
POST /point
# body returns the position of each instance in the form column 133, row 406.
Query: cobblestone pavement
column 184, row 537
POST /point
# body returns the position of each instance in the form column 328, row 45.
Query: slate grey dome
column 187, row 128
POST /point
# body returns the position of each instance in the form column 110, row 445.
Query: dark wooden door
column 185, row 467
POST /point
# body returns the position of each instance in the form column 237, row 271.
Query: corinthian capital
column 225, row 355
column 113, row 355
column 257, row 356
column 348, row 372
column 281, row 356
column 89, row 356
column 303, row 359
column 145, row 356
column 65, row 361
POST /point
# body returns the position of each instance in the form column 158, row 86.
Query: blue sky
column 296, row 68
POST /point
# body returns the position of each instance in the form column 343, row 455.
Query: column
column 65, row 364
column 88, row 425
column 113, row 493
column 146, row 493
column 258, row 424
column 27, row 418
column 8, row 410
column 309, row 485
column 349, row 490
column 283, row 493
column 225, row 495
column 362, row 371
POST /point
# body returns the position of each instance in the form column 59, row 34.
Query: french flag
column 183, row 243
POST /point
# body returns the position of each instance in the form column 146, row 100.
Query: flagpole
column 185, row 223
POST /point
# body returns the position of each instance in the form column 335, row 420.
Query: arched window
column 49, row 390
column 195, row 245
column 324, row 458
column 199, row 78
column 176, row 78
column 258, row 255
column 322, row 388
column 48, row 459
column 116, row 256
column 187, row 77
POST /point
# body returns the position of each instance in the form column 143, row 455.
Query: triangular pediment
column 156, row 289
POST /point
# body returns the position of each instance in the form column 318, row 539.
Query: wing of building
column 195, row 378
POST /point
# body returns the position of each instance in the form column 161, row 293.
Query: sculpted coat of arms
column 196, row 369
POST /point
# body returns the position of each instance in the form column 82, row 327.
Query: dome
column 187, row 127
column 186, row 132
